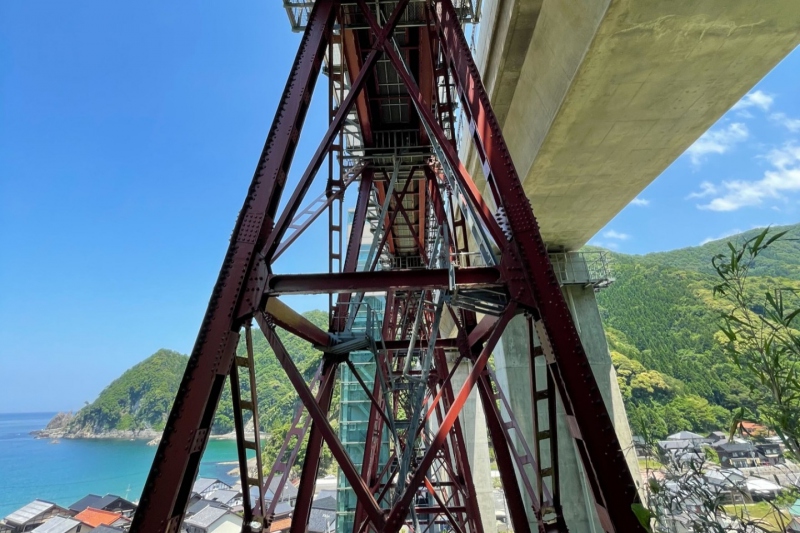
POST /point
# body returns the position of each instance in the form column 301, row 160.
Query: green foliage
column 662, row 325
column 643, row 515
column 711, row 455
column 140, row 398
column 639, row 384
column 760, row 331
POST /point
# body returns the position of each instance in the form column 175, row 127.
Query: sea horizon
column 32, row 412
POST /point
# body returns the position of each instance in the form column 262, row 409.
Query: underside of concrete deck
column 598, row 97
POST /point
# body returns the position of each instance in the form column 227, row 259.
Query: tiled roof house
column 96, row 517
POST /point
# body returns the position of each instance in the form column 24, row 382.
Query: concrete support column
column 473, row 424
column 512, row 365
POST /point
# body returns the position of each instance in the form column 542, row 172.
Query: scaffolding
column 583, row 268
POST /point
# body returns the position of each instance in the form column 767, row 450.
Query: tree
column 760, row 326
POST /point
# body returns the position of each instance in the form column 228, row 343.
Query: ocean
column 65, row 472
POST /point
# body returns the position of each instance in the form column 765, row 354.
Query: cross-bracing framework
column 431, row 274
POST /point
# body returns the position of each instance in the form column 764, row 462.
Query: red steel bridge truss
column 451, row 266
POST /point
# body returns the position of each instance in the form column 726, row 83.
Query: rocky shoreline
column 118, row 434
column 58, row 428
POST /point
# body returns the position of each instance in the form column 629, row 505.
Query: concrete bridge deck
column 597, row 97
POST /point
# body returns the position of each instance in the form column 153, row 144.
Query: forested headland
column 137, row 403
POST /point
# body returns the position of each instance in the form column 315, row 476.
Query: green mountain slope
column 141, row 398
column 780, row 260
column 662, row 325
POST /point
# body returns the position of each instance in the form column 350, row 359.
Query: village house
column 771, row 453
column 715, row 438
column 62, row 524
column 679, row 451
column 728, row 484
column 322, row 518
column 227, row 497
column 753, row 430
column 283, row 509
column 282, row 525
column 204, row 485
column 31, row 516
column 109, row 502
column 694, row 438
column 327, row 503
column 199, row 504
column 762, row 489
column 289, row 493
column 285, row 504
column 213, row 520
column 321, row 521
column 737, row 454
column 97, row 517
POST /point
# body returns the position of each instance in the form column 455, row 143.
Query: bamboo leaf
column 775, row 238
column 643, row 514
column 759, row 239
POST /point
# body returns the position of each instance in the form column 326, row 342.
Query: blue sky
column 128, row 136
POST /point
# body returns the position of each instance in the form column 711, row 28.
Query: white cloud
column 717, row 141
column 706, row 189
column 640, row 201
column 783, row 178
column 611, row 234
column 722, row 236
column 758, row 99
column 604, row 244
column 791, row 124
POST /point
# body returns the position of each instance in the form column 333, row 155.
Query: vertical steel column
column 335, row 170
column 235, row 296
column 531, row 273
column 341, row 310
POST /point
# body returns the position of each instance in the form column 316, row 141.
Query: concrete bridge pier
column 473, row 425
column 512, row 366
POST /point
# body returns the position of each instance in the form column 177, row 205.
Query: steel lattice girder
column 379, row 61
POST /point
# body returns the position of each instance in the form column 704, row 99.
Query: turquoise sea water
column 65, row 472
